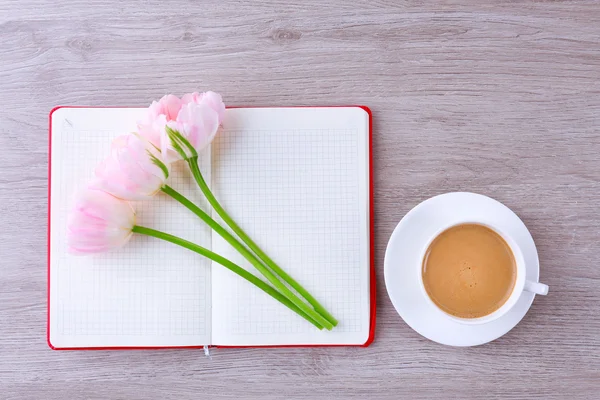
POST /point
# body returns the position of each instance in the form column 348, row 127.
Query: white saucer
column 403, row 264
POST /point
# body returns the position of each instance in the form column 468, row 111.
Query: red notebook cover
column 373, row 283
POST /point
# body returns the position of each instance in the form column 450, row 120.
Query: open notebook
column 297, row 180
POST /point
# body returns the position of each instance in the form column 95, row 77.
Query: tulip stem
column 227, row 264
column 247, row 254
column 325, row 318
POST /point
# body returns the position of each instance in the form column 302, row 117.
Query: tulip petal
column 196, row 116
column 98, row 222
column 135, row 169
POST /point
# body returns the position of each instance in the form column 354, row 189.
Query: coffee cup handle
column 536, row 287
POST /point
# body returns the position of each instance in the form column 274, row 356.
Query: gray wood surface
column 496, row 97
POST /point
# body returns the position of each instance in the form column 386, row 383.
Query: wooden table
column 496, row 97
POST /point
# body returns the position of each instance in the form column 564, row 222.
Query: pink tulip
column 196, row 117
column 211, row 99
column 99, row 222
column 159, row 113
column 198, row 124
column 135, row 169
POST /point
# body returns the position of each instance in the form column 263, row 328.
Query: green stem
column 326, row 317
column 227, row 264
column 247, row 254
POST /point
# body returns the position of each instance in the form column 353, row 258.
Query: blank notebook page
column 296, row 180
column 149, row 293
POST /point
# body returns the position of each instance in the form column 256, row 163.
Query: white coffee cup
column 521, row 283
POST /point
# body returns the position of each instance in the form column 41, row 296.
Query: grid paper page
column 296, row 180
column 148, row 293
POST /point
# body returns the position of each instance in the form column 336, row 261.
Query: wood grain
column 496, row 97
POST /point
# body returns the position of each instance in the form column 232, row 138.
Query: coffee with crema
column 469, row 271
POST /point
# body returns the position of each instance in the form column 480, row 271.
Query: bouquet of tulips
column 138, row 167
